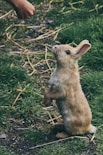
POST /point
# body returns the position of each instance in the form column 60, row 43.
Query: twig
column 57, row 141
column 22, row 129
column 21, row 91
column 101, row 126
column 96, row 8
column 37, row 93
column 45, row 35
column 46, row 54
column 44, row 71
column 6, row 14
column 6, row 107
column 1, row 46
column 53, row 119
column 72, row 5
column 22, row 47
column 92, row 138
column 48, row 108
column 31, row 65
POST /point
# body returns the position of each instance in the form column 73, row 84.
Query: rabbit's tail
column 92, row 129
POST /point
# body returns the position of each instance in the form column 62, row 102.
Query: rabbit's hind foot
column 61, row 135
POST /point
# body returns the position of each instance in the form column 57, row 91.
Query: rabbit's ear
column 82, row 48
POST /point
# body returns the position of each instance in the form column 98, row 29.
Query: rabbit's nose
column 55, row 47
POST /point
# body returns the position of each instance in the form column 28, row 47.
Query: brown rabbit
column 65, row 88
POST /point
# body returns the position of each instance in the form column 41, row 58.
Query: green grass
column 65, row 148
column 92, row 84
column 25, row 69
column 6, row 152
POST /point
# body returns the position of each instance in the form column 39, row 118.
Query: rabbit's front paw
column 47, row 101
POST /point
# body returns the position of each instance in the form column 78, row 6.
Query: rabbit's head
column 67, row 55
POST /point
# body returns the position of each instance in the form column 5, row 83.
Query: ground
column 26, row 62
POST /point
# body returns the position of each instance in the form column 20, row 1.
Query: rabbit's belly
column 64, row 109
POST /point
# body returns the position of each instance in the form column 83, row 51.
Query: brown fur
column 65, row 88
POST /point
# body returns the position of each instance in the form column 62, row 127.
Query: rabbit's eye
column 67, row 52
